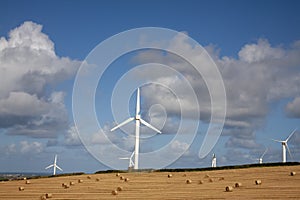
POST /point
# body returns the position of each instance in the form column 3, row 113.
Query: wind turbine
column 131, row 163
column 138, row 121
column 260, row 159
column 285, row 146
column 54, row 165
column 214, row 161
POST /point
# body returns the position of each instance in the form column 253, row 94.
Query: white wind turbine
column 214, row 161
column 131, row 163
column 138, row 121
column 285, row 146
column 54, row 165
column 260, row 159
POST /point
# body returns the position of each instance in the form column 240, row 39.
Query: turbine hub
column 137, row 117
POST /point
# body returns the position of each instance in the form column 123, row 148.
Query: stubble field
column 277, row 183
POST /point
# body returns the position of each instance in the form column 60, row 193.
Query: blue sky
column 254, row 43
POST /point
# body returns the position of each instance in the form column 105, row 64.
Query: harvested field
column 277, row 183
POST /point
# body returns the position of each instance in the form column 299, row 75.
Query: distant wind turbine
column 138, row 121
column 285, row 146
column 260, row 159
column 214, row 161
column 131, row 163
column 54, row 165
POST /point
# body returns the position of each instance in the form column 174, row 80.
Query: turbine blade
column 289, row 151
column 264, row 153
column 123, row 158
column 277, row 140
column 138, row 103
column 55, row 158
column 287, row 139
column 149, row 125
column 132, row 155
column 49, row 166
column 59, row 168
column 123, row 123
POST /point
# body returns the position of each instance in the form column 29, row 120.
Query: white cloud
column 24, row 147
column 261, row 75
column 28, row 66
column 293, row 108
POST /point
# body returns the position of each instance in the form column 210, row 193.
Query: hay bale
column 126, row 179
column 169, row 175
column 200, row 182
column 258, row 182
column 89, row 177
column 48, row 195
column 228, row 188
column 221, row 178
column 120, row 188
column 72, row 183
column 184, row 175
column 21, row 188
column 118, row 174
column 206, row 176
column 122, row 177
column 63, row 184
column 27, row 182
column 66, row 186
column 293, row 173
column 97, row 179
column 188, row 181
column 210, row 180
column 24, row 178
column 114, row 192
column 80, row 181
column 238, row 184
column 43, row 197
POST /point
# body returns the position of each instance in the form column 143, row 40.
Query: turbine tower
column 54, row 165
column 260, row 160
column 285, row 146
column 131, row 163
column 138, row 121
column 214, row 161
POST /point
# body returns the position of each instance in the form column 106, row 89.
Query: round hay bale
column 238, row 184
column 200, row 182
column 293, row 173
column 89, row 177
column 188, row 181
column 114, row 192
column 27, row 182
column 24, row 178
column 72, row 183
column 169, row 175
column 221, row 178
column 210, row 180
column 127, row 179
column 118, row 174
column 66, row 186
column 97, row 179
column 258, row 182
column 43, row 197
column 228, row 188
column 48, row 195
column 21, row 188
column 184, row 175
column 206, row 176
column 63, row 184
column 120, row 188
column 122, row 177
column 80, row 181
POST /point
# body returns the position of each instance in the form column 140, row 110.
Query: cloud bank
column 29, row 70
